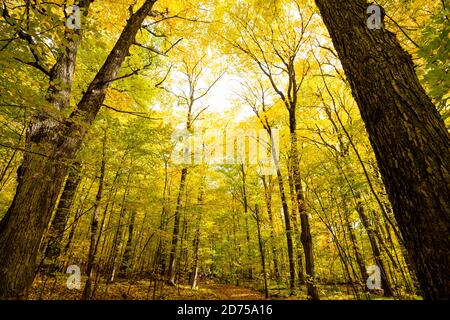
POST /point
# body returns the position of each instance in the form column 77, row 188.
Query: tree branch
column 133, row 113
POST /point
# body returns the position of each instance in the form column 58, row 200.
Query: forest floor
column 230, row 292
column 48, row 288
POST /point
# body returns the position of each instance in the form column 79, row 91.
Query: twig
column 133, row 113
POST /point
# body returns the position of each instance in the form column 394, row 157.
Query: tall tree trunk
column 247, row 231
column 111, row 199
column 183, row 254
column 59, row 222
column 288, row 228
column 78, row 215
column 126, row 259
column 39, row 180
column 114, row 252
column 160, row 255
column 297, row 232
column 341, row 252
column 261, row 251
column 268, row 187
column 385, row 282
column 305, row 235
column 94, row 225
column 356, row 250
column 342, row 154
column 410, row 140
column 285, row 208
column 234, row 263
column 4, row 177
column 196, row 244
column 53, row 141
column 176, row 229
column 371, row 233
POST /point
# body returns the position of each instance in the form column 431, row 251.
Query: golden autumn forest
column 216, row 150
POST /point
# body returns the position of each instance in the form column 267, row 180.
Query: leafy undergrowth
column 47, row 288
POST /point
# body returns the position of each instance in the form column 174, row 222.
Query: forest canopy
column 282, row 149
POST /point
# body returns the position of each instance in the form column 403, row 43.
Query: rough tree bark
column 409, row 138
column 54, row 141
column 59, row 222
